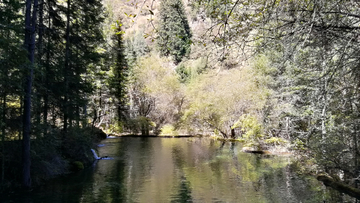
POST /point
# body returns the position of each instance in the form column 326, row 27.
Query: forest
column 275, row 75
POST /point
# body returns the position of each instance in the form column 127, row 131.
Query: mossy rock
column 77, row 166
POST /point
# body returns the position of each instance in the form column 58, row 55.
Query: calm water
column 181, row 170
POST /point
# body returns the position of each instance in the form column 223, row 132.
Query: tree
column 117, row 83
column 12, row 56
column 314, row 47
column 43, row 81
column 30, row 25
column 135, row 47
column 83, row 39
column 216, row 101
column 174, row 31
column 155, row 91
column 318, row 67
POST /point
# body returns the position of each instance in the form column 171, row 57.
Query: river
column 182, row 170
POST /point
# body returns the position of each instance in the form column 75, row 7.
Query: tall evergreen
column 47, row 82
column 174, row 31
column 12, row 55
column 83, row 37
column 120, row 71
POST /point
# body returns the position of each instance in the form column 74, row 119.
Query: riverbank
column 270, row 148
column 162, row 136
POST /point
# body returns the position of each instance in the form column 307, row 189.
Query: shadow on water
column 69, row 188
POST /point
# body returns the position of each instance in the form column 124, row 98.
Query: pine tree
column 83, row 38
column 120, row 71
column 12, row 56
column 174, row 31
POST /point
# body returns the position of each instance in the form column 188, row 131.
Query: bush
column 252, row 128
column 77, row 166
column 275, row 141
column 140, row 124
column 168, row 130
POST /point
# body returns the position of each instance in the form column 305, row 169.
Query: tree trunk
column 232, row 133
column 222, row 132
column 30, row 24
column 47, row 71
column 39, row 93
column 66, row 69
column 3, row 121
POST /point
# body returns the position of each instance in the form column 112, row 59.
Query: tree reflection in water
column 183, row 170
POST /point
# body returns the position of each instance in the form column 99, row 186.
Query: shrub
column 275, row 141
column 168, row 130
column 77, row 166
column 252, row 128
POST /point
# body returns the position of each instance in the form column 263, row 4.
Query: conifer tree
column 174, row 31
column 83, row 36
column 118, row 80
column 12, row 56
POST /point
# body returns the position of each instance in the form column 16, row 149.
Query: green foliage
column 183, row 72
column 302, row 83
column 251, row 126
column 156, row 92
column 299, row 145
column 275, row 141
column 218, row 100
column 189, row 70
column 119, row 77
column 69, row 62
column 140, row 124
column 168, row 130
column 174, row 35
column 154, row 77
column 118, row 127
column 135, row 47
column 316, row 86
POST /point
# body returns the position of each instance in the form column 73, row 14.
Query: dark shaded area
column 53, row 155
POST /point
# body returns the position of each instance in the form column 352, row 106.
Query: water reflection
column 183, row 189
column 182, row 170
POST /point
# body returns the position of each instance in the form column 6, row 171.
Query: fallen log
column 339, row 186
column 254, row 151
